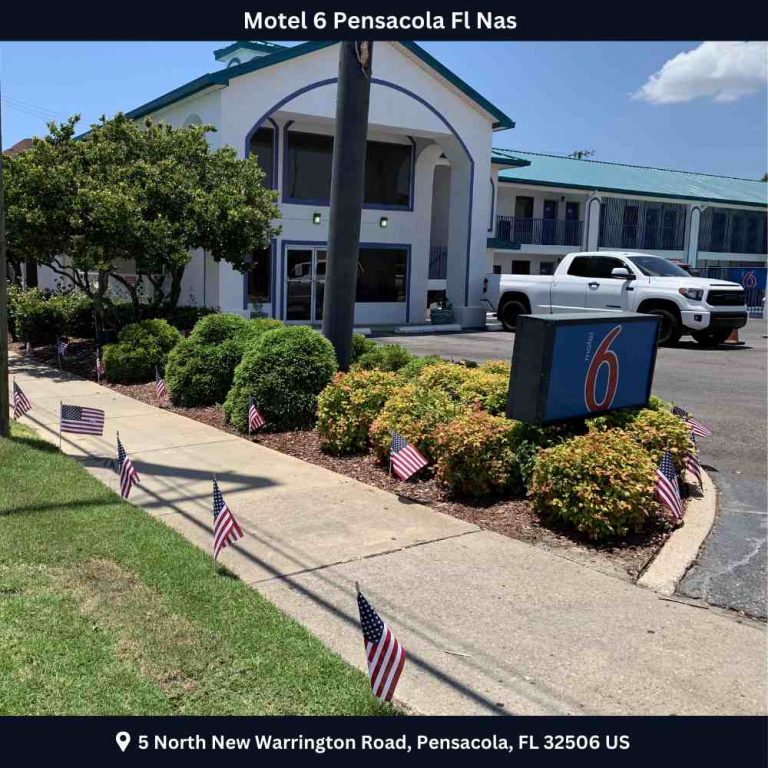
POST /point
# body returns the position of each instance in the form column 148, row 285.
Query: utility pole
column 347, row 180
column 5, row 426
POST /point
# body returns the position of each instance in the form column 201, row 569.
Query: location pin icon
column 123, row 739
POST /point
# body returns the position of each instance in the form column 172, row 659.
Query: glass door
column 305, row 284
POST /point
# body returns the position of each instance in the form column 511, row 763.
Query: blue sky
column 563, row 96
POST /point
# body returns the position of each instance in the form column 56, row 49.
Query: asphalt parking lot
column 727, row 389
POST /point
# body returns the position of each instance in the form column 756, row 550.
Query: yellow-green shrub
column 485, row 389
column 445, row 377
column 348, row 405
column 659, row 431
column 476, row 455
column 619, row 419
column 503, row 367
column 415, row 412
column 600, row 483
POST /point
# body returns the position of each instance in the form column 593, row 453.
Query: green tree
column 126, row 198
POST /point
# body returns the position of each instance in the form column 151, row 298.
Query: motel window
column 669, row 230
column 387, row 173
column 520, row 267
column 263, row 147
column 629, row 227
column 259, row 276
column 381, row 274
column 310, row 159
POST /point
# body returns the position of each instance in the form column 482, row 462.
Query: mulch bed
column 509, row 517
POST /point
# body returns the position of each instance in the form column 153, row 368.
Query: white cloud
column 722, row 71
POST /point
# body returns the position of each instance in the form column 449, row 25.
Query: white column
column 422, row 210
column 693, row 220
column 469, row 210
column 592, row 224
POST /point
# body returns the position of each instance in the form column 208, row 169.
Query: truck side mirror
column 623, row 273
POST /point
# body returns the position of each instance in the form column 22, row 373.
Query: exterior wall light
column 383, row 221
column 316, row 217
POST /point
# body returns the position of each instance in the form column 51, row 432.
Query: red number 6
column 603, row 356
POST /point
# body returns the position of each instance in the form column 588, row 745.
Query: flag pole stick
column 357, row 586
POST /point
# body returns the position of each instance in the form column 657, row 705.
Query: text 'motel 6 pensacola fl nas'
column 572, row 365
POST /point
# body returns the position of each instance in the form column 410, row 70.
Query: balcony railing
column 438, row 262
column 539, row 231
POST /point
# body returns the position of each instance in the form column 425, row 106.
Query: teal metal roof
column 282, row 53
column 560, row 171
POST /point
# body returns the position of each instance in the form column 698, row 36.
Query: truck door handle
column 594, row 285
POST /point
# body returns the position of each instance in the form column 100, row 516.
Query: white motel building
column 442, row 206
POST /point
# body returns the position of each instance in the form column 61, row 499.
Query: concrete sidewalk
column 492, row 625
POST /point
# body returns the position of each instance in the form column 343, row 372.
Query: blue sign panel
column 748, row 277
column 575, row 365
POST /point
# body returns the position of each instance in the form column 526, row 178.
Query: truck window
column 604, row 264
column 580, row 267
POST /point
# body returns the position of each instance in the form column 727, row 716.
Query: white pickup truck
column 618, row 281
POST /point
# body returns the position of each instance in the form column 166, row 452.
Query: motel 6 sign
column 575, row 365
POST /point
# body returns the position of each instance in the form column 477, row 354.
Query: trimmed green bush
column 476, row 455
column 624, row 416
column 600, row 483
column 140, row 349
column 347, row 407
column 201, row 368
column 34, row 318
column 445, row 377
column 361, row 345
column 383, row 357
column 285, row 369
column 415, row 412
column 533, row 439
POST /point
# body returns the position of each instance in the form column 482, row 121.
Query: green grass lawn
column 104, row 610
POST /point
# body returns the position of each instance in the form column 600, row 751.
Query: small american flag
column 21, row 402
column 225, row 528
column 692, row 461
column 383, row 652
column 255, row 419
column 128, row 474
column 159, row 384
column 404, row 458
column 666, row 489
column 62, row 347
column 99, row 366
column 702, row 430
column 83, row 421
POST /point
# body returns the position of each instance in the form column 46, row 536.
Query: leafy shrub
column 601, row 484
column 445, row 377
column 201, row 368
column 624, row 416
column 412, row 369
column 141, row 347
column 501, row 367
column 485, row 389
column 415, row 412
column 659, row 431
column 532, row 439
column 476, row 455
column 383, row 357
column 361, row 345
column 285, row 369
column 34, row 318
column 76, row 313
column 347, row 407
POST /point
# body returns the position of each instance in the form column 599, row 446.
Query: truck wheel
column 670, row 328
column 509, row 312
column 711, row 338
